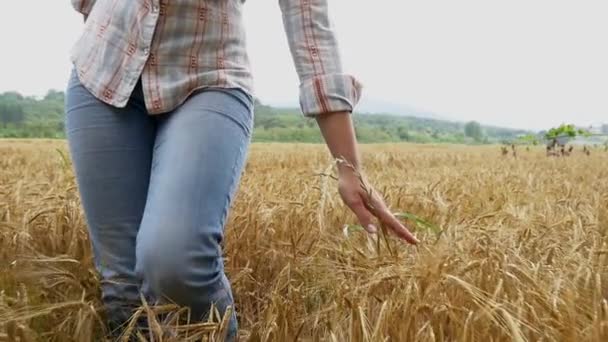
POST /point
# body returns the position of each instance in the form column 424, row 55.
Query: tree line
column 31, row 117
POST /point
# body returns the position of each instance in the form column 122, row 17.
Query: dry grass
column 523, row 254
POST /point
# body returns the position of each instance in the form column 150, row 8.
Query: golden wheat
column 522, row 253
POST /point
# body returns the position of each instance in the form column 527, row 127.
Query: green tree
column 54, row 95
column 403, row 133
column 564, row 130
column 11, row 113
column 472, row 129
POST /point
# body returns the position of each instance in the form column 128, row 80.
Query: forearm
column 339, row 134
column 83, row 6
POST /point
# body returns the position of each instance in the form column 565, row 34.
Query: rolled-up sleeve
column 83, row 6
column 324, row 87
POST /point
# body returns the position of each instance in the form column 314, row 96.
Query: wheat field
column 521, row 255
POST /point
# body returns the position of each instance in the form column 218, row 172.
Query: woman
column 159, row 117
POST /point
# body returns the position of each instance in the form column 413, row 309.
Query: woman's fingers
column 367, row 205
column 383, row 214
column 397, row 227
column 364, row 216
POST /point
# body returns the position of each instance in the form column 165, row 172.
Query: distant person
column 159, row 116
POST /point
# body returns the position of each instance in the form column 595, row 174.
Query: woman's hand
column 339, row 134
column 366, row 204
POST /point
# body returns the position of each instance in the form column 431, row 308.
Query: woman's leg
column 198, row 157
column 111, row 151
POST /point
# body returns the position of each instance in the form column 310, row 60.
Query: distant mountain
column 371, row 106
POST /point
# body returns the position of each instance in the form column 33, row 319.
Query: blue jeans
column 156, row 191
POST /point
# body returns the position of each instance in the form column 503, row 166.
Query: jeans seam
column 232, row 187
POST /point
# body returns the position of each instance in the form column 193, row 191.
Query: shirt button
column 154, row 8
column 146, row 51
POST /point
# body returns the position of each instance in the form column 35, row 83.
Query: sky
column 516, row 63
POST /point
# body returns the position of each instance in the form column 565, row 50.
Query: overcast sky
column 518, row 63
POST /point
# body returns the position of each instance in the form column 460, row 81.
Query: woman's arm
column 330, row 96
column 324, row 87
column 83, row 6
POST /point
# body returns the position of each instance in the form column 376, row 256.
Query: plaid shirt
column 179, row 46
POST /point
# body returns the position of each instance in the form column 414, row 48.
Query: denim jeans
column 156, row 191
